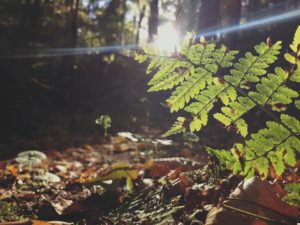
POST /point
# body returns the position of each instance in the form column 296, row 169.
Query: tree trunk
column 141, row 17
column 209, row 16
column 74, row 24
column 231, row 11
column 153, row 20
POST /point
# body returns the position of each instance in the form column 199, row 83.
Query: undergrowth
column 203, row 75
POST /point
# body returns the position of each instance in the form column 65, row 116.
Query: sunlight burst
column 167, row 39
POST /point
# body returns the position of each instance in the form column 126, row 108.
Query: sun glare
column 167, row 38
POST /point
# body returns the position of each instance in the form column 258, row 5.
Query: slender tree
column 153, row 20
column 208, row 17
column 139, row 25
column 74, row 24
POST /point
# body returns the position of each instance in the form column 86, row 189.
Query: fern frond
column 170, row 79
column 251, row 67
column 272, row 146
column 232, row 114
column 273, row 90
column 293, row 196
column 204, row 103
column 225, row 158
column 296, row 42
column 293, row 188
column 295, row 47
column 200, row 54
column 296, row 76
column 189, row 88
column 248, row 69
column 179, row 126
column 223, row 57
column 297, row 104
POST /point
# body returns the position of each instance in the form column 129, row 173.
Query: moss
column 8, row 212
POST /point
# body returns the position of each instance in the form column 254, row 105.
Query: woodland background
column 51, row 101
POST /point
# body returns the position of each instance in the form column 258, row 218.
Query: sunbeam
column 255, row 23
column 163, row 42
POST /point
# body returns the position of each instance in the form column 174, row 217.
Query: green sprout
column 105, row 122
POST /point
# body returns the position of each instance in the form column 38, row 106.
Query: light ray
column 255, row 23
column 55, row 52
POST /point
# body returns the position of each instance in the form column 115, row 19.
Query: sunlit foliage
column 202, row 74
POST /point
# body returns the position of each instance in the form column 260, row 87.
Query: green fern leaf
column 140, row 58
column 222, row 118
column 177, row 127
column 273, row 90
column 296, row 76
column 167, row 68
column 169, row 82
column 242, row 127
column 202, row 106
column 249, row 68
column 291, row 59
column 292, row 199
column 293, row 188
column 296, row 42
column 233, row 112
column 189, row 89
column 195, row 124
column 277, row 162
column 224, row 58
column 200, row 54
column 262, row 167
column 291, row 122
column 297, row 104
column 293, row 196
column 225, row 158
column 290, row 157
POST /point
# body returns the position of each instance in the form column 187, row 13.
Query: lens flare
column 167, row 38
column 255, row 23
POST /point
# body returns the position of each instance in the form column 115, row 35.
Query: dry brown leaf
column 13, row 170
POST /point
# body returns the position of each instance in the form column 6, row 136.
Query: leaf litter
column 128, row 179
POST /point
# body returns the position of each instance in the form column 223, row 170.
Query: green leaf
column 291, row 122
column 262, row 166
column 292, row 199
column 296, row 42
column 291, row 59
column 290, row 157
column 293, row 188
column 297, row 104
column 296, row 76
column 188, row 89
column 277, row 162
column 242, row 127
column 196, row 124
column 222, row 118
column 177, row 127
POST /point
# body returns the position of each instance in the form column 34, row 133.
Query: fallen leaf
column 13, row 170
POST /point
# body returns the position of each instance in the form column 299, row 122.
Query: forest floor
column 129, row 179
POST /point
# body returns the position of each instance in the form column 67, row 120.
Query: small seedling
column 105, row 122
